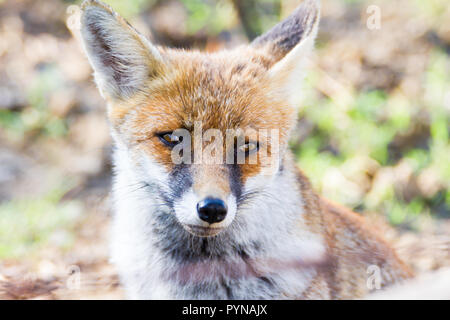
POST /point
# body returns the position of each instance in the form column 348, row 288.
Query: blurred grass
column 366, row 129
column 211, row 16
column 129, row 8
column 36, row 118
column 30, row 224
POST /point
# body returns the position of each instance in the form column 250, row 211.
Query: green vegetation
column 368, row 128
column 129, row 8
column 36, row 117
column 30, row 224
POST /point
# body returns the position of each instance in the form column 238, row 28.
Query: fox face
column 181, row 120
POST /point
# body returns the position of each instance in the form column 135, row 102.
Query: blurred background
column 373, row 132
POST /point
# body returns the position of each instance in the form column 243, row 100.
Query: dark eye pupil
column 249, row 147
column 170, row 139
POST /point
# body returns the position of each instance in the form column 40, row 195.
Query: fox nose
column 212, row 210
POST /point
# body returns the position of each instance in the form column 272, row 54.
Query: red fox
column 222, row 229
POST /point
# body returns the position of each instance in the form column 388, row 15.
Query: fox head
column 156, row 95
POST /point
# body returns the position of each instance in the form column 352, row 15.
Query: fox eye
column 169, row 139
column 249, row 148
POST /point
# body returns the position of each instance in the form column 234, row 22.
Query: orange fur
column 223, row 91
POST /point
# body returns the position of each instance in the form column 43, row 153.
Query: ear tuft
column 300, row 25
column 290, row 43
column 88, row 3
column 122, row 59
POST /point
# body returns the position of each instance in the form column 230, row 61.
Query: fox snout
column 207, row 216
column 209, row 205
column 212, row 210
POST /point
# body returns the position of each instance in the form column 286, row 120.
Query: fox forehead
column 151, row 88
column 224, row 90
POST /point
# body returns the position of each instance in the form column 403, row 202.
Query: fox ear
column 289, row 43
column 122, row 59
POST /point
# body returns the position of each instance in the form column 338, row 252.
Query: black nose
column 212, row 210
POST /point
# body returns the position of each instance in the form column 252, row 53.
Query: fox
column 222, row 230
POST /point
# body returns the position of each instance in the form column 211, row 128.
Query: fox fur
column 279, row 240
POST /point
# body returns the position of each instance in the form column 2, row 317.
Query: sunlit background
column 373, row 132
